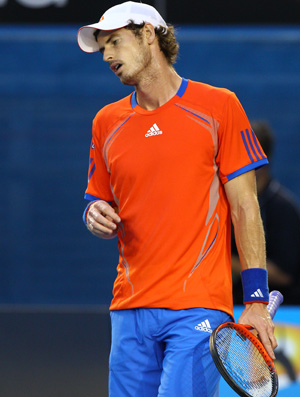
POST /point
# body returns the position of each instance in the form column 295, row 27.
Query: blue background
column 49, row 94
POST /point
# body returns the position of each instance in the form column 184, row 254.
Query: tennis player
column 169, row 165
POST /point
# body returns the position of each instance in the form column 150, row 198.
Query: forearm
column 250, row 241
column 249, row 233
column 249, row 236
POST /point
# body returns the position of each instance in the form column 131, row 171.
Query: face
column 128, row 56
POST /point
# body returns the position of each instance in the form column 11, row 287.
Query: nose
column 107, row 55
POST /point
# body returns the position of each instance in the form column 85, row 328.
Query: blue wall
column 49, row 93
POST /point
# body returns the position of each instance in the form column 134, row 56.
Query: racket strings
column 244, row 363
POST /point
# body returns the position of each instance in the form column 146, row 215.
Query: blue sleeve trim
column 249, row 167
column 90, row 197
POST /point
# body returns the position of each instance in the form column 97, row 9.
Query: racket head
column 243, row 361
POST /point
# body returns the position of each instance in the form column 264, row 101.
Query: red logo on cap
column 101, row 19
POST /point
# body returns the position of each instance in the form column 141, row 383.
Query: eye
column 115, row 42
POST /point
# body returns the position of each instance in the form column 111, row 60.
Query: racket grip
column 275, row 301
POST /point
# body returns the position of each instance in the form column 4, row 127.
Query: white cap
column 118, row 17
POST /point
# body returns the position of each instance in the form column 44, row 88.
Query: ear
column 149, row 32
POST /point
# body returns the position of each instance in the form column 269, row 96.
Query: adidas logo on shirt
column 257, row 294
column 154, row 130
column 204, row 326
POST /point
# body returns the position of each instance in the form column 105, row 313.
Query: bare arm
column 250, row 240
column 102, row 220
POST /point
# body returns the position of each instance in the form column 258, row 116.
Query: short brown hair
column 166, row 39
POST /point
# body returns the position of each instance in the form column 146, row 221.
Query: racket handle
column 275, row 301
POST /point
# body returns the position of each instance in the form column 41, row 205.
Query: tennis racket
column 241, row 358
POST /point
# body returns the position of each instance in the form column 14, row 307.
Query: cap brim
column 86, row 39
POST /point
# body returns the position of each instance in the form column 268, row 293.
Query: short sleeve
column 238, row 148
column 98, row 176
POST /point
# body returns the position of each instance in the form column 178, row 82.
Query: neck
column 157, row 88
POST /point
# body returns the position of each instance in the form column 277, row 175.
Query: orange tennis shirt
column 165, row 170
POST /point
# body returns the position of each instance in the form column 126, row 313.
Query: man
column 281, row 220
column 168, row 165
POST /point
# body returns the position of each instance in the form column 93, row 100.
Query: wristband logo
column 37, row 3
column 257, row 294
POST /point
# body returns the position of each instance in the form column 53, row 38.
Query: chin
column 127, row 81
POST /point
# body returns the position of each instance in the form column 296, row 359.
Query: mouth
column 115, row 67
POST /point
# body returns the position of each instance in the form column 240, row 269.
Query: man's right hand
column 102, row 220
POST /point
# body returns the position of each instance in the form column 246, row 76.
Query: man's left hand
column 257, row 315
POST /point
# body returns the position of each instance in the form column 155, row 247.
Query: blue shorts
column 163, row 353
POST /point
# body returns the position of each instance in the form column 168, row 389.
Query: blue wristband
column 255, row 285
